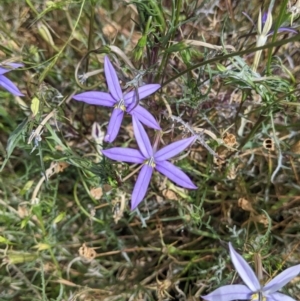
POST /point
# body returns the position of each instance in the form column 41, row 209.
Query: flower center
column 258, row 297
column 151, row 162
column 120, row 105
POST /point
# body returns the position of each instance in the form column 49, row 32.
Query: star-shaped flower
column 253, row 290
column 120, row 102
column 5, row 82
column 151, row 159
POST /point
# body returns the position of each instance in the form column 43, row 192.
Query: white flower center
column 151, row 162
column 258, row 297
column 120, row 105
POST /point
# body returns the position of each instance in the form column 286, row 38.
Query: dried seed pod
column 269, row 144
column 245, row 204
column 88, row 254
column 229, row 139
column 96, row 193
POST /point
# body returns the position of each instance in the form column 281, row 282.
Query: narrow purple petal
column 287, row 29
column 114, row 125
column 15, row 65
column 145, row 117
column 143, row 92
column 282, row 279
column 112, row 80
column 96, row 98
column 142, row 138
column 264, row 18
column 3, row 70
column 141, row 185
column 129, row 155
column 173, row 149
column 11, row 67
column 229, row 293
column 283, row 29
column 175, row 174
column 244, row 270
column 279, row 297
column 10, row 86
column 130, row 100
column 147, row 90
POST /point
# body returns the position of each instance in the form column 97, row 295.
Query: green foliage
column 67, row 232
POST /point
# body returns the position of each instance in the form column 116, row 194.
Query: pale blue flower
column 151, row 159
column 253, row 290
column 120, row 102
column 5, row 82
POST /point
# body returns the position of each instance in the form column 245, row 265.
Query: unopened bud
column 97, row 133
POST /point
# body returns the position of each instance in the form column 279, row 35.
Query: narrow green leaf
column 14, row 139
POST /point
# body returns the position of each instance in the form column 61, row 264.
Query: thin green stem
column 90, row 37
column 56, row 57
column 276, row 27
column 176, row 5
column 82, row 209
column 253, row 131
column 227, row 56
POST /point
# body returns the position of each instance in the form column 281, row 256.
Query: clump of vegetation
column 138, row 138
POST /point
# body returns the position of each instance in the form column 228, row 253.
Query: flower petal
column 130, row 100
column 141, row 185
column 264, row 18
column 96, row 98
column 12, row 66
column 143, row 91
column 287, row 29
column 145, row 117
column 282, row 279
column 244, row 270
column 114, row 125
column 112, row 79
column 147, row 90
column 173, row 149
column 10, row 86
column 229, row 292
column 142, row 138
column 283, row 29
column 129, row 155
column 3, row 70
column 279, row 297
column 175, row 174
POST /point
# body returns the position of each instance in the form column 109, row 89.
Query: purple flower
column 253, row 290
column 151, row 159
column 121, row 102
column 8, row 84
